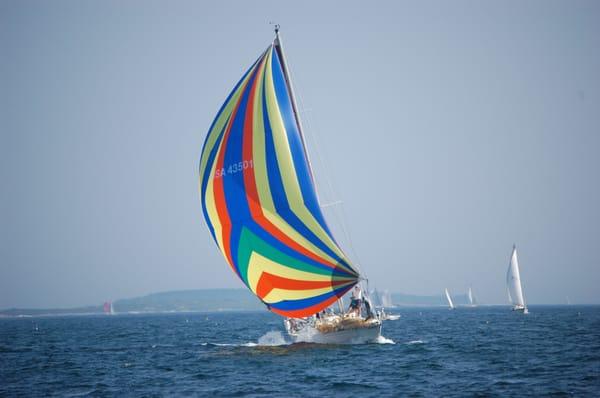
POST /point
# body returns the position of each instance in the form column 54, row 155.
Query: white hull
column 520, row 309
column 334, row 330
column 349, row 336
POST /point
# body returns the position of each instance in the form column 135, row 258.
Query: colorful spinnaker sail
column 259, row 198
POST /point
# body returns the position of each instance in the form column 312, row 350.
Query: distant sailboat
column 386, row 299
column 381, row 298
column 450, row 303
column 472, row 301
column 108, row 308
column 513, row 284
column 375, row 297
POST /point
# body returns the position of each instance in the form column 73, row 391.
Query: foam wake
column 275, row 338
column 272, row 338
column 415, row 342
column 383, row 340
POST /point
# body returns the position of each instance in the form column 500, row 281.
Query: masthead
column 276, row 25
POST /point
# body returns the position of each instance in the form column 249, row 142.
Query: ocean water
column 484, row 351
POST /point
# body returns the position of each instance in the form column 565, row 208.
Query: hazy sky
column 451, row 130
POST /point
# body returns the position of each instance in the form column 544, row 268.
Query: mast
column 279, row 48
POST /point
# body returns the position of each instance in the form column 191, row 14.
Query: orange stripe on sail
column 268, row 282
column 308, row 311
column 219, row 190
column 252, row 192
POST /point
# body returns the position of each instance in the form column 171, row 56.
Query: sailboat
column 383, row 300
column 386, row 299
column 472, row 301
column 449, row 299
column 513, row 284
column 260, row 203
column 108, row 308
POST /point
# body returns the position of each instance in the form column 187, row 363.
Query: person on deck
column 355, row 301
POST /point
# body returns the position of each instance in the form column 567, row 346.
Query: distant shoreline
column 217, row 300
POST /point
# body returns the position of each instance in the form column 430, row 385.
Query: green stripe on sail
column 249, row 243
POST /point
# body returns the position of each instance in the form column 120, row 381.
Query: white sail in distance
column 450, row 303
column 471, row 298
column 513, row 282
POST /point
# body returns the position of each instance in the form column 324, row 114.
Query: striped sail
column 259, row 199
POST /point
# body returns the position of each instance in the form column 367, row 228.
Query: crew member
column 355, row 301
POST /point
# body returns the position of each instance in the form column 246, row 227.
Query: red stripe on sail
column 308, row 311
column 268, row 282
column 219, row 190
column 252, row 191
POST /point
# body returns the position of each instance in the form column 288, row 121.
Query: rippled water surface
column 427, row 352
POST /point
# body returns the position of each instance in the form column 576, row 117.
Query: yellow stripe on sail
column 209, row 200
column 288, row 171
column 259, row 264
column 214, row 134
column 277, row 295
column 218, row 125
column 262, row 179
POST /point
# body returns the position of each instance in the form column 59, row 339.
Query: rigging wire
column 311, row 134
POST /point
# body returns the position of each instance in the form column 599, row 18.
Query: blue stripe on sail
column 213, row 151
column 296, row 145
column 227, row 101
column 291, row 305
column 283, row 248
column 235, row 193
column 278, row 192
column 233, row 182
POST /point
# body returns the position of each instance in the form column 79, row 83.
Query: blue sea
column 483, row 351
